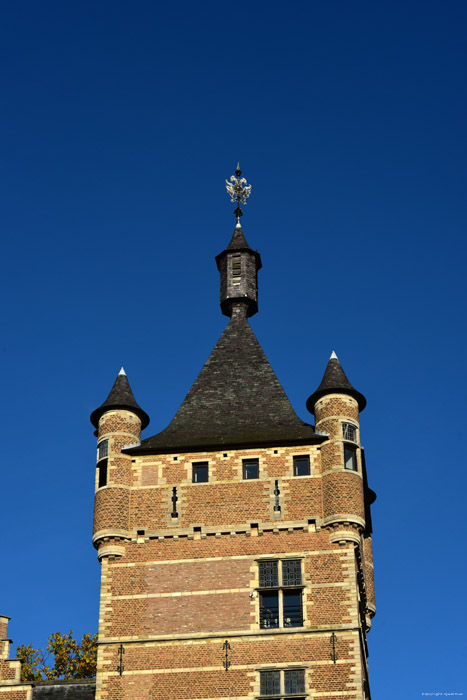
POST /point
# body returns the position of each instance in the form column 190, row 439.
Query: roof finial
column 239, row 191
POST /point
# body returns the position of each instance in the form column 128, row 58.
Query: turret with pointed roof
column 120, row 397
column 335, row 381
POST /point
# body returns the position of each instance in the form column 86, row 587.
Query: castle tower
column 234, row 542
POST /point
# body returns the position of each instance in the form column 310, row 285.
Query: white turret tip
column 122, row 371
column 333, row 356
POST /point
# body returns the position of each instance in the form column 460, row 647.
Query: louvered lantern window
column 236, row 268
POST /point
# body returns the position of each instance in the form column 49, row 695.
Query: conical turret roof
column 239, row 243
column 236, row 401
column 335, row 382
column 121, row 396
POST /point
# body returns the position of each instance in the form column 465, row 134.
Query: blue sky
column 119, row 124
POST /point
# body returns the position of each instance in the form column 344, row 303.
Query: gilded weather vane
column 238, row 190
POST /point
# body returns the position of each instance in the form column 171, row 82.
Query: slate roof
column 84, row 689
column 236, row 401
column 335, row 382
column 239, row 243
column 121, row 396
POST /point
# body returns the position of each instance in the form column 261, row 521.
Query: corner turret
column 119, row 421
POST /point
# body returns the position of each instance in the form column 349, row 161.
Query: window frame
column 102, row 444
column 195, row 466
column 245, row 463
column 345, row 436
column 352, row 448
column 283, row 591
column 296, row 459
column 102, row 473
column 282, row 694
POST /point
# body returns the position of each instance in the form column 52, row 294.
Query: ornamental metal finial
column 239, row 191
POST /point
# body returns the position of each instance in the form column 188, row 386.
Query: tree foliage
column 63, row 658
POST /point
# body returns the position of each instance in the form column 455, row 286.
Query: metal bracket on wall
column 120, row 667
column 226, row 662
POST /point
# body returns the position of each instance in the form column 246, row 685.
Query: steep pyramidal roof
column 121, row 396
column 335, row 382
column 236, row 401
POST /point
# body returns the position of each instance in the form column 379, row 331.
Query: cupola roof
column 120, row 397
column 335, row 381
column 236, row 401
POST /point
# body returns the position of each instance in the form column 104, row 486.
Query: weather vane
column 238, row 190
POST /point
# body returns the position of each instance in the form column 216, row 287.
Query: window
column 236, row 269
column 301, row 466
column 281, row 684
column 103, row 449
column 280, row 594
column 102, row 470
column 200, row 472
column 349, row 432
column 350, row 457
column 251, row 468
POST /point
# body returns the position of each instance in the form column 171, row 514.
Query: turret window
column 349, row 432
column 236, row 269
column 350, row 457
column 103, row 449
column 280, row 593
column 282, row 684
column 200, row 472
column 102, row 471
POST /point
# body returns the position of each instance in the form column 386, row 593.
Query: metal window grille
column 291, row 572
column 268, row 574
column 270, row 682
column 103, row 449
column 349, row 432
column 294, row 681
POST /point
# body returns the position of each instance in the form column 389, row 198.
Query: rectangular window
column 349, row 432
column 301, row 466
column 200, row 472
column 236, row 268
column 251, row 468
column 103, row 449
column 350, row 457
column 102, row 469
column 270, row 682
column 280, row 593
column 282, row 684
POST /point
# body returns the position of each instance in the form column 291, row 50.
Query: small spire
column 335, row 381
column 120, row 397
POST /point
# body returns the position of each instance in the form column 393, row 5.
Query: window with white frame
column 280, row 593
column 349, row 432
column 279, row 684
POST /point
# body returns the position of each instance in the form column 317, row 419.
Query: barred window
column 103, row 449
column 268, row 574
column 270, row 682
column 280, row 594
column 294, row 681
column 349, row 432
column 282, row 684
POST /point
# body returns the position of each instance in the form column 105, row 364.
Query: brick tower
column 235, row 544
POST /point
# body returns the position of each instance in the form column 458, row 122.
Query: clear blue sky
column 119, row 123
